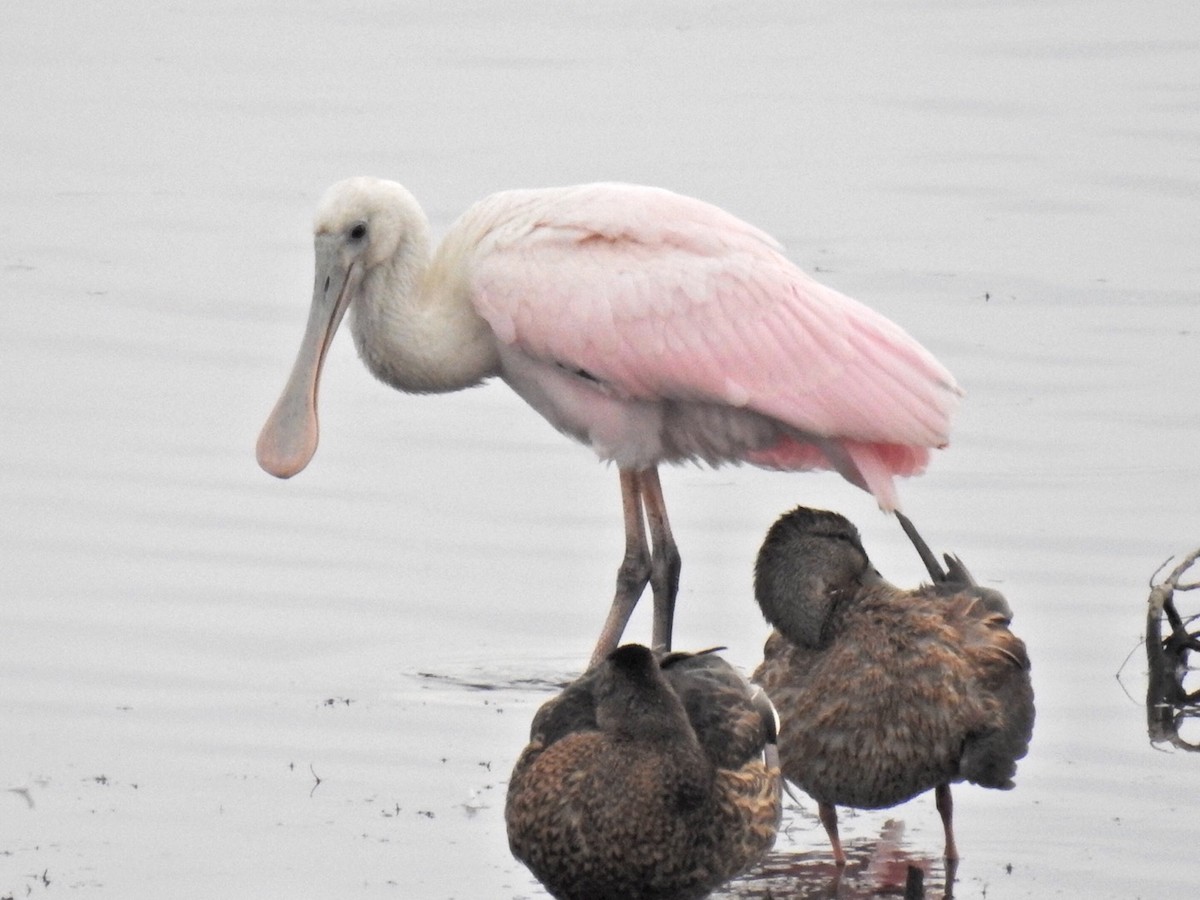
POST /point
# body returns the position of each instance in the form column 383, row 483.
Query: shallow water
column 216, row 683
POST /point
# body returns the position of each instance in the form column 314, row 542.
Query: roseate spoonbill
column 886, row 693
column 651, row 326
column 647, row 779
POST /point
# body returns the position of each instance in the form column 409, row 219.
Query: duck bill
column 289, row 438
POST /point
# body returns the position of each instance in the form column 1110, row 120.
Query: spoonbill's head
column 360, row 224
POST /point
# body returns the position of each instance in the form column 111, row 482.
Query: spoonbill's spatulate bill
column 651, row 326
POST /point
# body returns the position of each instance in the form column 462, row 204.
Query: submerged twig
column 1168, row 702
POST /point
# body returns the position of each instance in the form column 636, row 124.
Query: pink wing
column 664, row 297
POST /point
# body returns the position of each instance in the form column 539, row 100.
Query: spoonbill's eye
column 358, row 232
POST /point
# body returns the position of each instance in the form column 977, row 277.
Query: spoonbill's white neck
column 411, row 315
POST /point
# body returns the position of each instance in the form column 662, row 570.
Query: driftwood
column 1168, row 701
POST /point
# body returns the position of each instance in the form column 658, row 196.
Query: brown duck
column 647, row 780
column 886, row 693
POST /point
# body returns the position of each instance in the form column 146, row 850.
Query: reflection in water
column 1170, row 705
column 874, row 868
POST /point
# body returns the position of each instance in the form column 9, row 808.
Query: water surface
column 215, row 683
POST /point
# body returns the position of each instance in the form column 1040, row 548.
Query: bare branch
column 1168, row 702
column 1172, row 580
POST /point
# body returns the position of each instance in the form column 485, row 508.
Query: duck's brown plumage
column 646, row 781
column 885, row 693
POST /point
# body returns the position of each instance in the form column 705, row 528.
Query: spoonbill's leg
column 828, row 815
column 945, row 808
column 634, row 573
column 665, row 562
